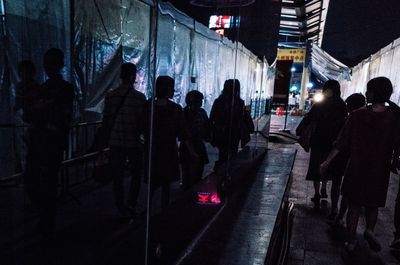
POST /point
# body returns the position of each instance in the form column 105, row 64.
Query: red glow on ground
column 215, row 198
column 208, row 198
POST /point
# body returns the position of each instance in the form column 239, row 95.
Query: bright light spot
column 310, row 85
column 215, row 198
column 208, row 198
column 293, row 69
column 293, row 88
column 318, row 97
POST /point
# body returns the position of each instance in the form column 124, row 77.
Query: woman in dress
column 329, row 117
column 370, row 137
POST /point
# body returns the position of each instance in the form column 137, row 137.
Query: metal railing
column 80, row 139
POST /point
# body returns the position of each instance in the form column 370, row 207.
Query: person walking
column 168, row 127
column 226, row 120
column 370, row 137
column 329, row 117
column 123, row 115
column 50, row 116
column 395, row 167
column 198, row 127
column 338, row 166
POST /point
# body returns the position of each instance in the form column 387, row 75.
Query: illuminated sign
column 223, row 22
column 208, row 198
column 295, row 55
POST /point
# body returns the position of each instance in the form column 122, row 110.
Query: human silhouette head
column 379, row 90
column 231, row 88
column 194, row 99
column 355, row 101
column 53, row 61
column 331, row 88
column 128, row 73
column 26, row 70
column 165, row 87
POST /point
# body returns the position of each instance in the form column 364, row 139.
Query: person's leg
column 317, row 184
column 136, row 163
column 324, row 194
column 186, row 174
column 353, row 215
column 117, row 161
column 335, row 193
column 199, row 172
column 397, row 216
column 222, row 156
column 317, row 196
column 371, row 216
column 343, row 208
column 32, row 173
column 48, row 180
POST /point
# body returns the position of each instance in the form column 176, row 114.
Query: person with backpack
column 124, row 118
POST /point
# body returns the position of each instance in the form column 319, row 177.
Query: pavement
column 313, row 241
column 99, row 229
column 91, row 231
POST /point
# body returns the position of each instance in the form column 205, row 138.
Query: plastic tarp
column 382, row 63
column 196, row 57
column 107, row 33
column 326, row 67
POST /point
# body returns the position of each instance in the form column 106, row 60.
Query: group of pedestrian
column 355, row 144
column 147, row 132
column 47, row 110
column 142, row 133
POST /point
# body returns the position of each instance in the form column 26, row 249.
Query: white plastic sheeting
column 200, row 59
column 326, row 67
column 109, row 32
column 196, row 57
column 383, row 63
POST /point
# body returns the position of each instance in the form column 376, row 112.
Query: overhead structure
column 325, row 67
column 224, row 3
column 302, row 20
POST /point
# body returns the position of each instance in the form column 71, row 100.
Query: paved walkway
column 313, row 241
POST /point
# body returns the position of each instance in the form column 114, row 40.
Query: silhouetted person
column 124, row 114
column 338, row 166
column 395, row 167
column 370, row 137
column 226, row 119
column 198, row 127
column 49, row 139
column 27, row 90
column 27, row 97
column 168, row 126
column 329, row 116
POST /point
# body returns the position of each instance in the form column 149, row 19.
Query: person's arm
column 323, row 168
column 395, row 165
column 184, row 135
column 341, row 144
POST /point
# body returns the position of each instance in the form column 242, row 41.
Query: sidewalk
column 313, row 241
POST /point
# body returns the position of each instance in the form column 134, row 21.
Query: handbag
column 305, row 130
column 102, row 172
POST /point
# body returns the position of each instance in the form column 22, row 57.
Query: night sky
column 356, row 29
